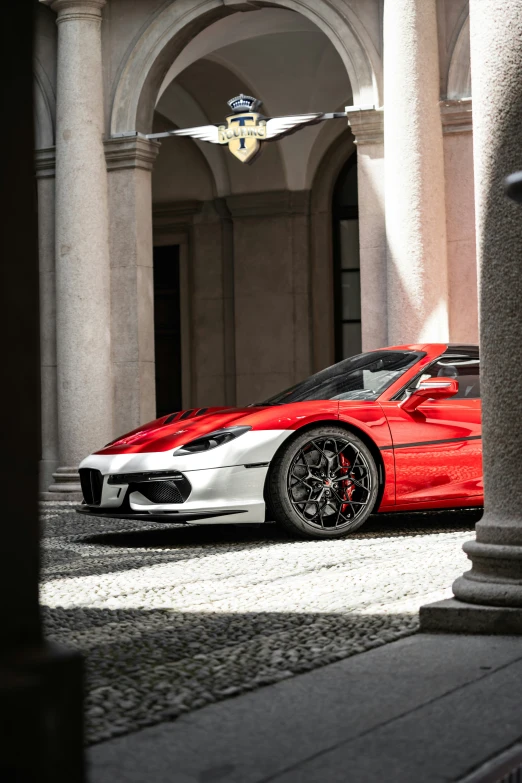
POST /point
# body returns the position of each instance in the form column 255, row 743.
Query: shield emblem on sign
column 243, row 134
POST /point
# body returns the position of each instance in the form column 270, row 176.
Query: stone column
column 129, row 164
column 414, row 163
column 368, row 129
column 82, row 242
column 45, row 170
column 457, row 129
column 489, row 596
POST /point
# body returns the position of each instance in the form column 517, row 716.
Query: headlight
column 211, row 441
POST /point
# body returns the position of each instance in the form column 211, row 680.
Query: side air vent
column 170, row 418
column 92, row 482
column 187, row 414
column 201, row 411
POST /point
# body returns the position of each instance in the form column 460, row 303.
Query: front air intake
column 158, row 486
column 92, row 484
column 161, row 492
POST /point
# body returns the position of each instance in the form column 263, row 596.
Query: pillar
column 488, row 598
column 84, row 387
column 129, row 165
column 368, row 129
column 415, row 209
column 457, row 128
column 45, row 170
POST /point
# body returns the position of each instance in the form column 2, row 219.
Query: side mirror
column 430, row 389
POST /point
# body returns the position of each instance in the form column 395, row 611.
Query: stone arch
column 183, row 106
column 321, row 251
column 149, row 59
column 459, row 71
column 236, row 28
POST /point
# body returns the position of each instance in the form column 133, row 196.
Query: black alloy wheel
column 323, row 484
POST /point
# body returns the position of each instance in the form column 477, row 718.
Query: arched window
column 347, row 284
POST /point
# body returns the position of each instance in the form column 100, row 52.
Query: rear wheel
column 323, row 484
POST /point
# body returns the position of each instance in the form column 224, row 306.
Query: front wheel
column 323, row 483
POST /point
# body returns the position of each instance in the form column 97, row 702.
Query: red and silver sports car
column 388, row 430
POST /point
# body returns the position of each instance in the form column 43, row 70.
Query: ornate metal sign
column 246, row 129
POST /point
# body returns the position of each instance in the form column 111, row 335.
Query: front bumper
column 226, row 484
column 214, row 495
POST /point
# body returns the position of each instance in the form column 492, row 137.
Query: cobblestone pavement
column 172, row 618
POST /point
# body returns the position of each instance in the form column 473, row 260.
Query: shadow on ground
column 173, row 618
column 145, row 667
column 381, row 526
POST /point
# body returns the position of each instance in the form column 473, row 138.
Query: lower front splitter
column 166, row 517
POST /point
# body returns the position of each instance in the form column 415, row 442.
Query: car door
column 438, row 447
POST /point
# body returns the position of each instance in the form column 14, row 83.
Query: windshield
column 362, row 377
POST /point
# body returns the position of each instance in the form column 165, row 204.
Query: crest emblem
column 246, row 128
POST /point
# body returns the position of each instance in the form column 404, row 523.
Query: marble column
column 84, row 386
column 129, row 165
column 488, row 598
column 368, row 129
column 414, row 164
column 45, row 171
column 457, row 127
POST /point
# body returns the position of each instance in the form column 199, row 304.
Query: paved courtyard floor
column 171, row 618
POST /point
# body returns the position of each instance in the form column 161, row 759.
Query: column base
column 66, row 486
column 46, row 468
column 453, row 616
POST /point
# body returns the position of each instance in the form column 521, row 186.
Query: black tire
column 323, row 483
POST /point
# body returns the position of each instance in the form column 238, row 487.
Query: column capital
column 131, row 152
column 45, row 163
column 456, row 116
column 76, row 9
column 367, row 126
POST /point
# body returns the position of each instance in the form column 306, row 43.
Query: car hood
column 174, row 430
column 170, row 432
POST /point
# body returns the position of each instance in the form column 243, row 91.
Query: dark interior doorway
column 347, row 278
column 167, row 329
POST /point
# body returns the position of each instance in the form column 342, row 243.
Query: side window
column 466, row 371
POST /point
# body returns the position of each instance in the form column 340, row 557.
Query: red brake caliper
column 347, row 488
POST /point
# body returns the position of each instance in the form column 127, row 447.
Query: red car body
column 429, row 457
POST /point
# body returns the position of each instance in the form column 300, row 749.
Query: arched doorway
column 244, row 233
column 346, row 262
